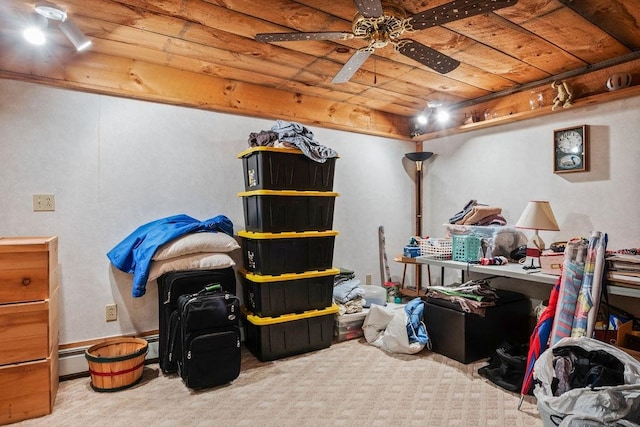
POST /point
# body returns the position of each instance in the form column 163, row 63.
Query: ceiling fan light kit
column 379, row 29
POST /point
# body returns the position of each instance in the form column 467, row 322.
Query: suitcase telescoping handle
column 212, row 287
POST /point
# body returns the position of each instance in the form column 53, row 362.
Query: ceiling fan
column 378, row 29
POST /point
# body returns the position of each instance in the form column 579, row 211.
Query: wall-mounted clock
column 570, row 149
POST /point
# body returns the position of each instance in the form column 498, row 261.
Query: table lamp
column 536, row 216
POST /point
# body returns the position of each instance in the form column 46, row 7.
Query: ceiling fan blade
column 296, row 37
column 427, row 56
column 452, row 11
column 352, row 65
column 369, row 8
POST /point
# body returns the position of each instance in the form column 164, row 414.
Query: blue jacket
column 416, row 329
column 133, row 255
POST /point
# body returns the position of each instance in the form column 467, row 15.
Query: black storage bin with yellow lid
column 287, row 252
column 275, row 168
column 271, row 211
column 270, row 296
column 271, row 338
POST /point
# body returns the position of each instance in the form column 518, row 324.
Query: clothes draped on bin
column 293, row 135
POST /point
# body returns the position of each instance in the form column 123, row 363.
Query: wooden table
column 418, row 291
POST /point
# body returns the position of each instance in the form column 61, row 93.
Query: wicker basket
column 436, row 248
column 117, row 363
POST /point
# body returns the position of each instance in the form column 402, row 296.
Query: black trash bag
column 507, row 366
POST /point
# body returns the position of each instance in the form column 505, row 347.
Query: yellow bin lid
column 265, row 278
column 287, row 193
column 286, row 234
column 250, row 151
column 264, row 321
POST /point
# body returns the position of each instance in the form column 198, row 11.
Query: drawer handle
column 26, row 281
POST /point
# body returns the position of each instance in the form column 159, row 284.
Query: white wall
column 509, row 165
column 115, row 164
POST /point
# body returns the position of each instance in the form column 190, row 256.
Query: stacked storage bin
column 287, row 247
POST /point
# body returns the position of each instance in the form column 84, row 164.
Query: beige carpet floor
column 348, row 384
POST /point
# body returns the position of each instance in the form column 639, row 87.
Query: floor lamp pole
column 418, row 217
column 418, row 158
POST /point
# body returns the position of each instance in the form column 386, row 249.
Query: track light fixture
column 433, row 107
column 34, row 32
column 44, row 12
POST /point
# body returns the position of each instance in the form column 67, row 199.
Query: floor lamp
column 418, row 158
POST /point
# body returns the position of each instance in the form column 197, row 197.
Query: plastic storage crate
column 437, row 248
column 466, row 248
column 271, row 168
column 278, row 253
column 271, row 296
column 274, row 211
column 349, row 326
column 271, row 338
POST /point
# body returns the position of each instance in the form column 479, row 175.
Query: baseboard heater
column 73, row 362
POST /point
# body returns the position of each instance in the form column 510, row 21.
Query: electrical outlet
column 111, row 312
column 44, row 202
column 367, row 280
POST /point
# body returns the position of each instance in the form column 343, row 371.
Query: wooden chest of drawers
column 29, row 301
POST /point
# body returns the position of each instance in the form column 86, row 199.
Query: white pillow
column 201, row 261
column 194, row 243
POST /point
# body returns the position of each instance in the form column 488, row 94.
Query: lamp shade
column 538, row 216
column 419, row 156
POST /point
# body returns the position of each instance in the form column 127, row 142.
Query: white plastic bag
column 607, row 405
column 386, row 328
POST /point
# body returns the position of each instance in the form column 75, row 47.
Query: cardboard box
column 627, row 338
column 551, row 262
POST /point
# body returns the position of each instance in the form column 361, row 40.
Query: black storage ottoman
column 467, row 337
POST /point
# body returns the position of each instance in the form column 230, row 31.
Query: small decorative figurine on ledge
column 565, row 95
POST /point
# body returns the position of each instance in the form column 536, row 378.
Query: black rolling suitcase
column 170, row 287
column 207, row 338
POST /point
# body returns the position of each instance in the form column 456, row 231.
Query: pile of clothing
column 474, row 213
column 174, row 243
column 473, row 296
column 292, row 135
column 347, row 293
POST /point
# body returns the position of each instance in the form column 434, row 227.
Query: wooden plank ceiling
column 203, row 54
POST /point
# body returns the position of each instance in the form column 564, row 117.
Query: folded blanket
column 355, row 305
column 348, row 290
column 477, row 213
